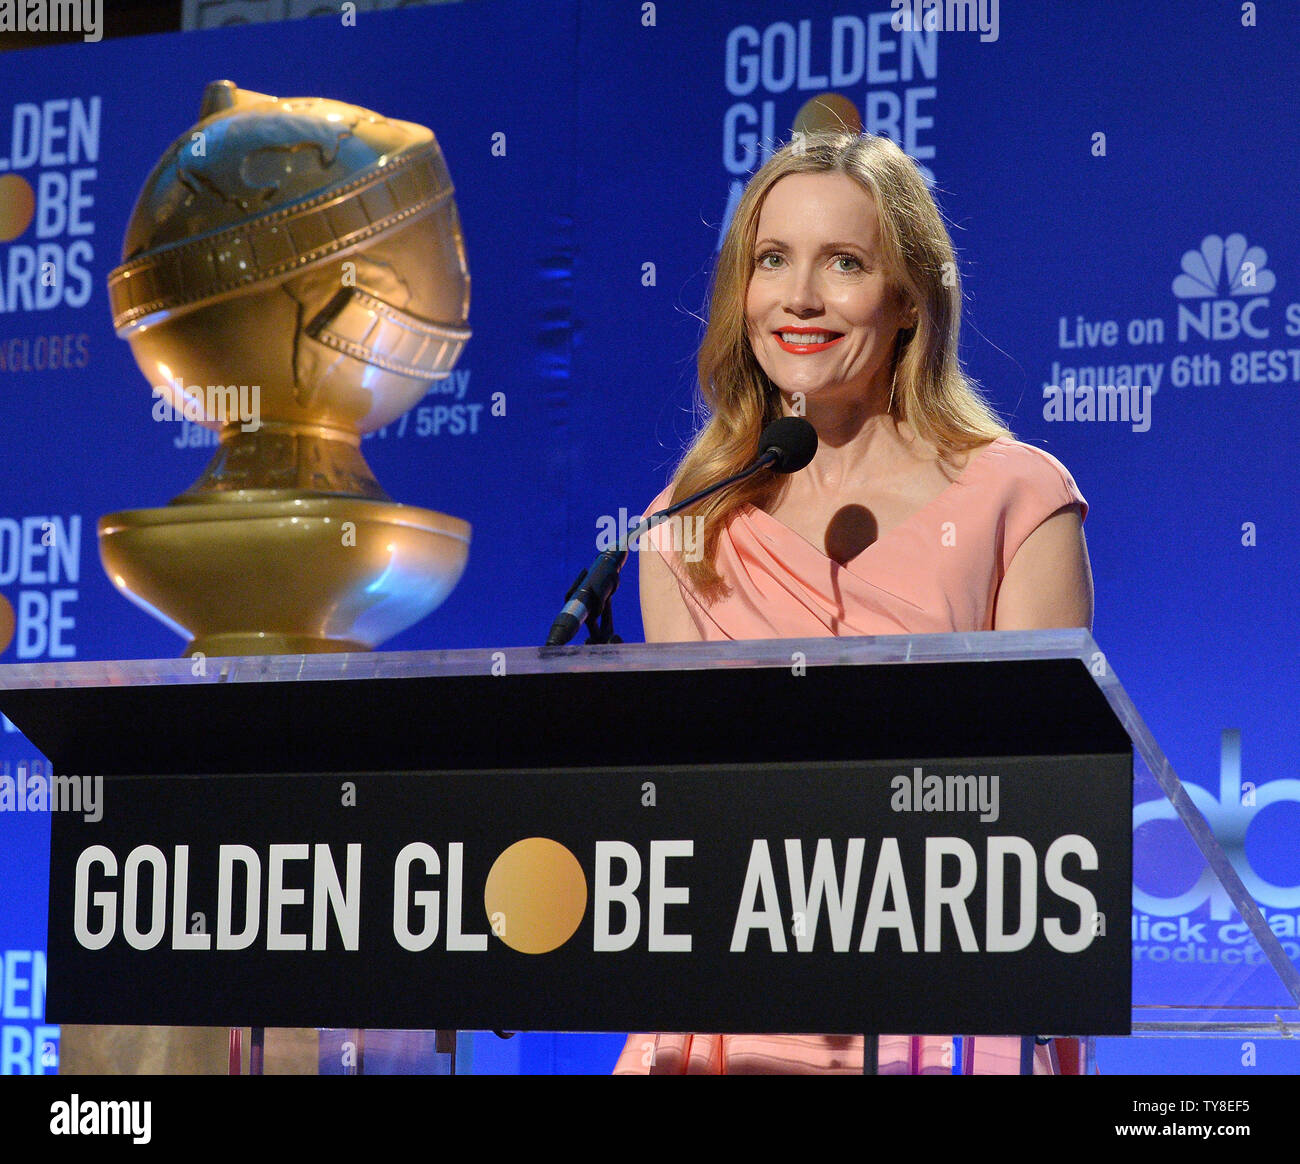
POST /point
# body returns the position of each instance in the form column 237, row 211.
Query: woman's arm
column 663, row 609
column 1049, row 581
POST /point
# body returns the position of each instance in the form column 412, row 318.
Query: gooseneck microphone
column 786, row 446
column 790, row 442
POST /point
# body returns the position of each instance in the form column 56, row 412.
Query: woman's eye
column 771, row 260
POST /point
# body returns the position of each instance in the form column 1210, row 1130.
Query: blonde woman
column 836, row 297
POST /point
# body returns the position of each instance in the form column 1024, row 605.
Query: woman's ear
column 906, row 310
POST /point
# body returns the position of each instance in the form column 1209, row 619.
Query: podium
column 924, row 834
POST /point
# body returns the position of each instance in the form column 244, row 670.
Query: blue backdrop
column 1120, row 183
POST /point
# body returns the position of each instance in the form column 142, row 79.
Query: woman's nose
column 801, row 293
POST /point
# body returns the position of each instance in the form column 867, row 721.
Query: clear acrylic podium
column 137, row 719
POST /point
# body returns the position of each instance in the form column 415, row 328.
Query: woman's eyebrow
column 825, row 247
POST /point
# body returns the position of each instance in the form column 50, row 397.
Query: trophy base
column 299, row 574
column 270, row 644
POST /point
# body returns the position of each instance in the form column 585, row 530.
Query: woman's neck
column 855, row 438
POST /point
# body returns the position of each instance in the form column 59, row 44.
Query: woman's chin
column 821, row 394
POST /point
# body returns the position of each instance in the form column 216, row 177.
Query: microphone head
column 794, row 441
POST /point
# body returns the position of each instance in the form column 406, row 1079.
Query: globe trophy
column 293, row 276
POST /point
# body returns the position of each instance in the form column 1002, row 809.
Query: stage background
column 590, row 242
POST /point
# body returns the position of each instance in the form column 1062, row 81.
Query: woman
column 836, row 298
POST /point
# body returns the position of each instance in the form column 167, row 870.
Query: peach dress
column 938, row 572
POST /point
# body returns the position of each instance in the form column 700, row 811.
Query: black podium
column 925, row 834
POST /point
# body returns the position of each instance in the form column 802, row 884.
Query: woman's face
column 818, row 275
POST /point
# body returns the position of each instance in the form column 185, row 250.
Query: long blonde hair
column 931, row 392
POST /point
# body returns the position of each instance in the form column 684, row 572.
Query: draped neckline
column 762, row 516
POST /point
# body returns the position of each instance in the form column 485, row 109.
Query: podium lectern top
column 1064, row 643
column 985, row 694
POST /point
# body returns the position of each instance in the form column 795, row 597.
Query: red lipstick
column 802, row 349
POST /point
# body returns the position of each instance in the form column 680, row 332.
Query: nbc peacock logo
column 1214, row 281
column 1224, row 264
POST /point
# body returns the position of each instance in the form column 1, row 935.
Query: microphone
column 793, row 442
column 786, row 446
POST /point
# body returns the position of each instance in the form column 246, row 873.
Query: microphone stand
column 589, row 598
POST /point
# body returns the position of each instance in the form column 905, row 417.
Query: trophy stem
column 286, row 458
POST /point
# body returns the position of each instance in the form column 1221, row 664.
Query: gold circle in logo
column 7, row 624
column 535, row 896
column 17, row 206
column 828, row 113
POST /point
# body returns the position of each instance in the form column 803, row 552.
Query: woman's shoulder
column 1032, row 474
column 659, row 537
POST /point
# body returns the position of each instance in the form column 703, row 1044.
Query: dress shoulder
column 659, row 537
column 1033, row 485
column 1037, row 472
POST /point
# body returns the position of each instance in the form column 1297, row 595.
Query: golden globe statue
column 293, row 276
